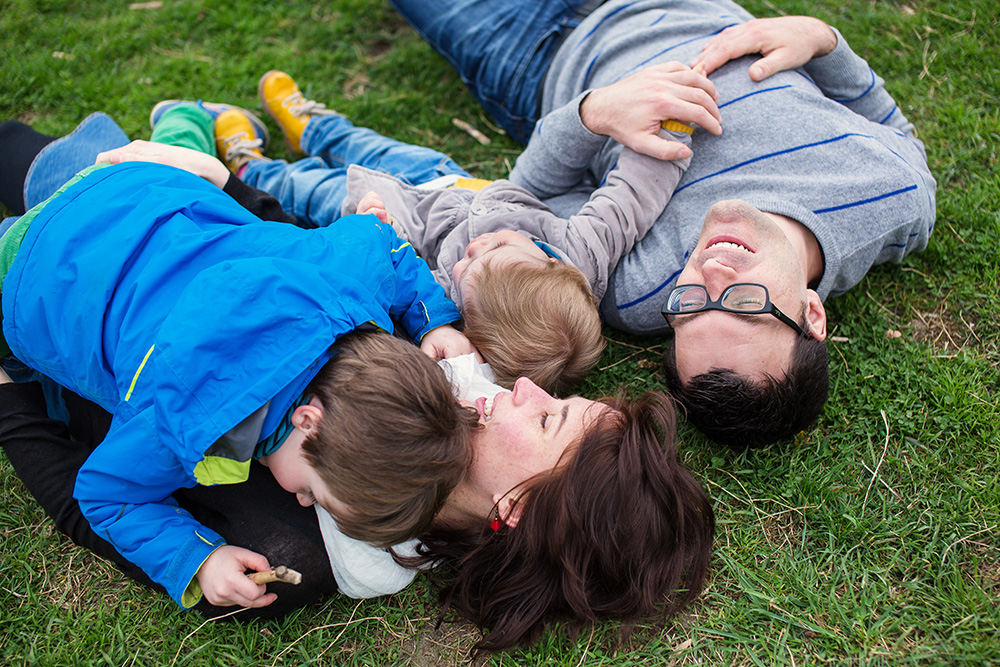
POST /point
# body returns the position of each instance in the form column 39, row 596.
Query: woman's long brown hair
column 620, row 531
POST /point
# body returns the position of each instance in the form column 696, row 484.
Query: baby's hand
column 372, row 203
column 446, row 342
column 224, row 582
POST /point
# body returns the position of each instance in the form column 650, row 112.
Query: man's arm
column 790, row 42
column 784, row 43
column 629, row 111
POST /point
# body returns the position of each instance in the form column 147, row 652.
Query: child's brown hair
column 535, row 320
column 393, row 441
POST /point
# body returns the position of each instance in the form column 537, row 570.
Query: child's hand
column 196, row 162
column 224, row 582
column 373, row 204
column 446, row 342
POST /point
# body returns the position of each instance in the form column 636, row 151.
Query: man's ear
column 307, row 417
column 815, row 315
column 510, row 510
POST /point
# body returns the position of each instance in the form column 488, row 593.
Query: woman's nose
column 525, row 390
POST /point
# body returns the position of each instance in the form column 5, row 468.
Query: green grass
column 874, row 539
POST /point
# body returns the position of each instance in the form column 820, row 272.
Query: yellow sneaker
column 285, row 103
column 236, row 139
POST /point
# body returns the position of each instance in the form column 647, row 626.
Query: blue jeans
column 52, row 167
column 501, row 49
column 59, row 161
column 314, row 188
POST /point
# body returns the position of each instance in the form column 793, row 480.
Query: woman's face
column 523, row 433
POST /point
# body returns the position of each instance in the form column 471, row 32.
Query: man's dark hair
column 733, row 410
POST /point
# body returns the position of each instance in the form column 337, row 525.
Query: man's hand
column 224, row 582
column 446, row 342
column 630, row 110
column 196, row 162
column 373, row 204
column 786, row 42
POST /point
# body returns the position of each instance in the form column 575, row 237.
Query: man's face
column 741, row 244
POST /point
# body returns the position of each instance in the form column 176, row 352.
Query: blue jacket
column 154, row 294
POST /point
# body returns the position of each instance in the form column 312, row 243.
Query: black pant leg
column 258, row 514
column 19, row 144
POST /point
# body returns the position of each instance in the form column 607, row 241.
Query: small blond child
column 526, row 280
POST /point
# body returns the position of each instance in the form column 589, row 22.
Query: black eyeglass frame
column 767, row 308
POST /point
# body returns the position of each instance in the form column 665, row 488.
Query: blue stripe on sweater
column 673, row 276
column 670, row 48
column 862, row 202
column 771, row 155
column 598, row 26
column 855, row 99
column 756, row 92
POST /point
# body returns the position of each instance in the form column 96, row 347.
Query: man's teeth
column 488, row 407
column 729, row 244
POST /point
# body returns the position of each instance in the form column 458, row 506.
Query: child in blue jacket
column 207, row 333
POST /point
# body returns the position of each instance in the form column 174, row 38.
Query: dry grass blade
column 885, row 448
column 471, row 131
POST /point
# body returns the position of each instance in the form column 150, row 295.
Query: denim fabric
column 59, row 161
column 314, row 188
column 501, row 49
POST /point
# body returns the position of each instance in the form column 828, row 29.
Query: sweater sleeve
column 260, row 203
column 559, row 152
column 619, row 212
column 624, row 208
column 846, row 78
column 902, row 219
column 420, row 303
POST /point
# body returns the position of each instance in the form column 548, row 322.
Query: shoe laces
column 240, row 145
column 298, row 105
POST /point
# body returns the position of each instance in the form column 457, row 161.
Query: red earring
column 495, row 523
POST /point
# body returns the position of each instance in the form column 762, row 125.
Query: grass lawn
column 873, row 539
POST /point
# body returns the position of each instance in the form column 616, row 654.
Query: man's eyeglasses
column 742, row 298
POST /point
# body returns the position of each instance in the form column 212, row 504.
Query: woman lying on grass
column 572, row 510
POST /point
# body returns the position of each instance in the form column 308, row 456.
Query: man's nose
column 717, row 278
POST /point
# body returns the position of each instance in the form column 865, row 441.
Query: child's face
column 293, row 473
column 501, row 248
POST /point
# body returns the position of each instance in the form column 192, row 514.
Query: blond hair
column 536, row 321
column 393, row 441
